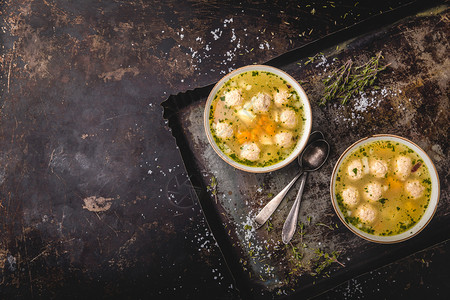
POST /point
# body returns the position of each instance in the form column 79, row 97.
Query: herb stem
column 348, row 81
column 325, row 225
column 212, row 187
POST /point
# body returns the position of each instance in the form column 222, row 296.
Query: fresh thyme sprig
column 212, row 187
column 296, row 258
column 301, row 232
column 335, row 85
column 311, row 59
column 269, row 226
column 325, row 259
column 295, row 252
column 348, row 81
column 325, row 225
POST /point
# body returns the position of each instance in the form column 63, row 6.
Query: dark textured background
column 81, row 123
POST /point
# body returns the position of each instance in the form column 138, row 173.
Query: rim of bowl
column 300, row 144
column 427, row 215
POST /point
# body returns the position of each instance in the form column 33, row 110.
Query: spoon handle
column 291, row 221
column 270, row 207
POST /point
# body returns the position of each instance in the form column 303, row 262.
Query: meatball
column 354, row 169
column 250, row 151
column 378, row 168
column 366, row 213
column 224, row 130
column 288, row 118
column 284, row 139
column 261, row 103
column 403, row 167
column 414, row 188
column 373, row 191
column 233, row 98
column 281, row 97
column 350, row 196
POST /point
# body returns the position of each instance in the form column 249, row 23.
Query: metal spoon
column 270, row 207
column 312, row 159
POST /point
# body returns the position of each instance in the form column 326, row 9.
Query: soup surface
column 383, row 188
column 256, row 118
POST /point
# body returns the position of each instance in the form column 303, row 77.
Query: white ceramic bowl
column 301, row 143
column 429, row 212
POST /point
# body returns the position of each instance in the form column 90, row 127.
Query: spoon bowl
column 314, row 156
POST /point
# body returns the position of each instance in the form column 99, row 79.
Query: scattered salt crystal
column 233, row 35
column 227, row 21
column 217, row 33
column 323, row 61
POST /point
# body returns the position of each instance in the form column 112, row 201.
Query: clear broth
column 396, row 210
column 250, row 84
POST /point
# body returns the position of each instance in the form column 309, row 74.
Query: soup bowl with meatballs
column 257, row 118
column 385, row 188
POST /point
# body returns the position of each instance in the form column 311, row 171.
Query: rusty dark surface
column 95, row 199
column 409, row 101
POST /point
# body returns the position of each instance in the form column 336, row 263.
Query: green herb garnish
column 325, row 225
column 382, row 200
column 348, row 81
column 269, row 226
column 212, row 187
column 324, row 260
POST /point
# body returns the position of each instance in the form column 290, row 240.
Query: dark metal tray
column 412, row 101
